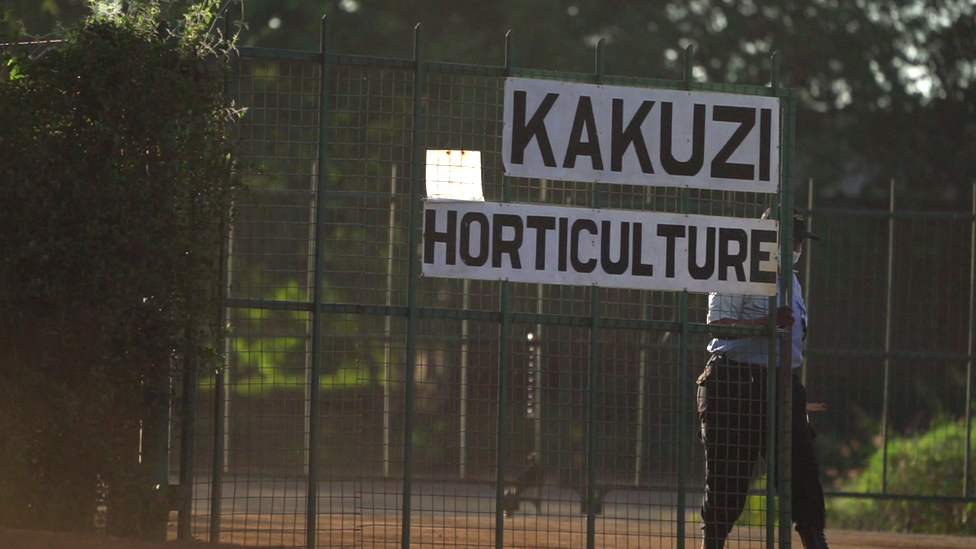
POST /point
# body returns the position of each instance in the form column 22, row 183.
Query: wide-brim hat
column 799, row 225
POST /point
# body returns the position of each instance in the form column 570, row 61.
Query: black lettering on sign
column 640, row 269
column 765, row 125
column 721, row 167
column 523, row 133
column 701, row 272
column 610, row 266
column 621, row 139
column 727, row 259
column 759, row 237
column 694, row 163
column 579, row 226
column 671, row 233
column 432, row 236
column 467, row 220
column 584, row 120
column 541, row 224
column 501, row 246
column 563, row 243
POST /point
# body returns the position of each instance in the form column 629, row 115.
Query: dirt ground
column 519, row 535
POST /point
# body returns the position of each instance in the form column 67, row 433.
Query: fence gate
column 365, row 405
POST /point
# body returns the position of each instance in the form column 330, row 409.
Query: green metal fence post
column 314, row 373
column 592, row 383
column 501, row 432
column 591, row 397
column 217, row 407
column 683, row 443
column 564, row 419
column 784, row 437
column 777, row 404
column 501, row 445
column 807, row 279
column 220, row 462
column 776, row 210
column 886, row 389
column 217, row 440
column 967, row 460
column 416, row 181
column 187, row 435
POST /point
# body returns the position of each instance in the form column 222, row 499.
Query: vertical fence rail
column 592, row 379
column 416, row 182
column 218, row 407
column 967, row 452
column 590, row 307
column 807, row 279
column 772, row 449
column 387, row 324
column 185, row 526
column 501, row 420
column 501, row 428
column 314, row 372
column 684, row 445
column 784, row 438
column 684, row 441
column 188, row 434
column 886, row 361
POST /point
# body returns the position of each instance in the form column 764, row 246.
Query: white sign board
column 609, row 248
column 638, row 136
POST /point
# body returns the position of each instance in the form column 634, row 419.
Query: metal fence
column 891, row 349
column 332, row 441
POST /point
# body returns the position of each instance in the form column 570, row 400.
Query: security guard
column 732, row 412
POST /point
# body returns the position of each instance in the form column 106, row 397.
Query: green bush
column 115, row 184
column 929, row 464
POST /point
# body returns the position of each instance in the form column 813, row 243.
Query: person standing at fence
column 732, row 413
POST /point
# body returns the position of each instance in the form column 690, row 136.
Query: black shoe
column 812, row 538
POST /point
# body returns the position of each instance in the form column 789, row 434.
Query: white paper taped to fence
column 639, row 136
column 454, row 174
column 609, row 248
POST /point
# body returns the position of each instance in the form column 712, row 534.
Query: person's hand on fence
column 784, row 317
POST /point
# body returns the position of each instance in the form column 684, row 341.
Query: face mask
column 796, row 256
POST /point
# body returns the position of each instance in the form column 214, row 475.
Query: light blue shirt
column 754, row 350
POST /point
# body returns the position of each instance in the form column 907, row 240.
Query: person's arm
column 784, row 318
column 727, row 310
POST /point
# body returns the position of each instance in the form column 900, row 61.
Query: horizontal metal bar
column 887, row 214
column 902, row 497
column 879, row 354
column 376, row 62
column 410, row 64
column 494, row 71
column 265, row 192
column 487, row 316
column 272, row 53
column 268, row 304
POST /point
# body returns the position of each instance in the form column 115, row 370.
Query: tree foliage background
column 116, row 178
column 887, row 87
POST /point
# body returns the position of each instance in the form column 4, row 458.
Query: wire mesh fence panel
column 466, row 412
column 891, row 356
column 362, row 404
column 252, row 440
